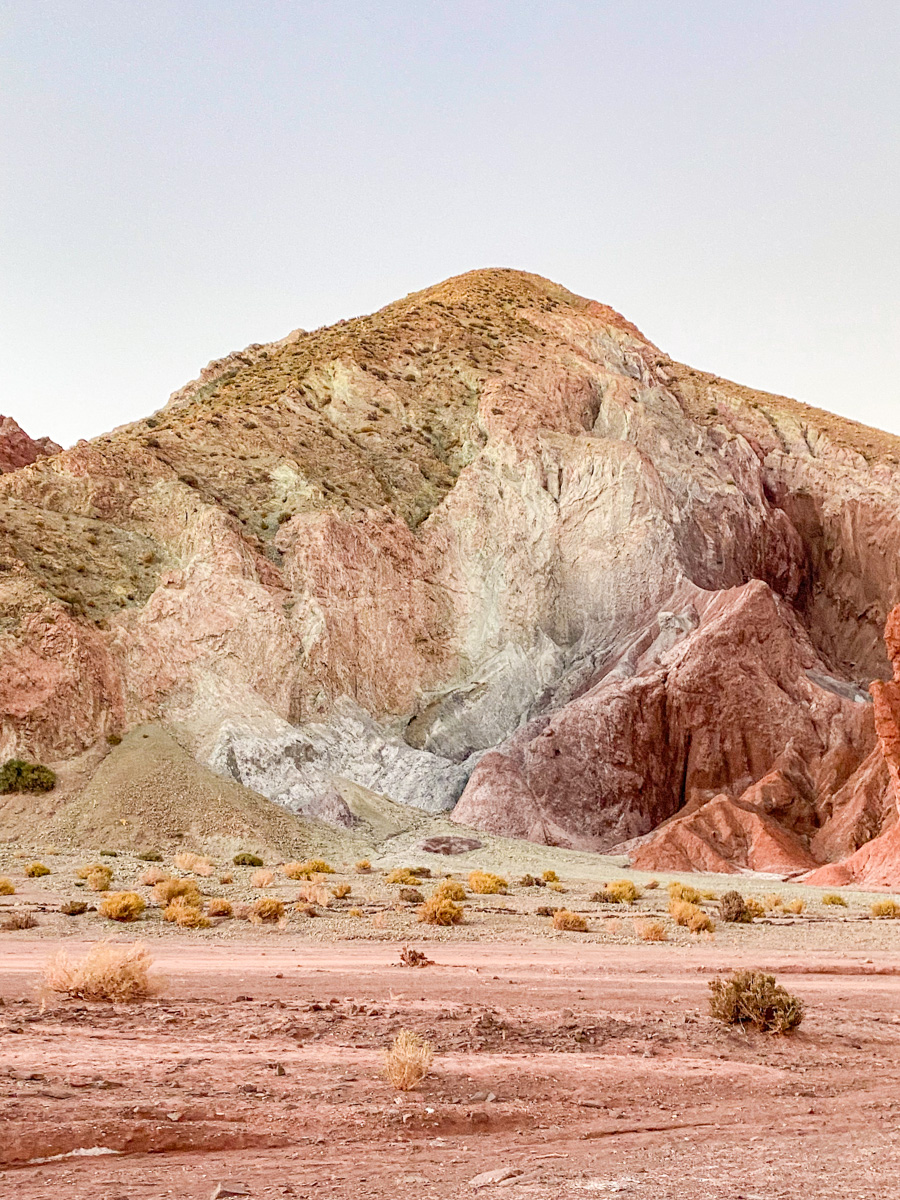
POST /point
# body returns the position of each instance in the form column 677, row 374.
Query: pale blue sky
column 181, row 178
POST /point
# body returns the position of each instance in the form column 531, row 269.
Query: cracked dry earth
column 573, row 1071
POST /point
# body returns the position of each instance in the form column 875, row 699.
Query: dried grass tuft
column 570, row 921
column 266, row 910
column 754, row 998
column 106, row 972
column 484, row 883
column 651, row 931
column 440, row 910
column 197, row 864
column 7, row 887
column 153, row 876
column 262, row 879
column 408, row 1060
column 168, row 890
column 185, row 914
column 36, row 869
column 122, row 906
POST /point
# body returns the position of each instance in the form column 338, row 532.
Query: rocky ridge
column 17, row 449
column 487, row 547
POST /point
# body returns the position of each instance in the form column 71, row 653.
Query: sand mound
column 149, row 792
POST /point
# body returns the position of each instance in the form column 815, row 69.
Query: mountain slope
column 381, row 549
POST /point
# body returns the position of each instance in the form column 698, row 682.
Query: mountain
column 489, row 548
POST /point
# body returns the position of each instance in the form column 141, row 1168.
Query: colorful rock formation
column 17, row 449
column 487, row 545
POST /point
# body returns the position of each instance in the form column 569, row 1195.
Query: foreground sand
column 591, row 1069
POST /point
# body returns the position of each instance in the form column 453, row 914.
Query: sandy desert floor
column 574, row 1069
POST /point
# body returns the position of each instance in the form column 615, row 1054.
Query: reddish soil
column 605, row 1076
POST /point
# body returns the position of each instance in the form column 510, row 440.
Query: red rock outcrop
column 17, row 449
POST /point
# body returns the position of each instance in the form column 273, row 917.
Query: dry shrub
column 691, row 916
column 354, row 912
column 363, row 867
column 106, row 972
column 550, row 877
column 754, row 998
column 185, row 914
column 266, row 910
column 7, row 888
column 226, row 877
column 556, row 887
column 305, row 910
column 795, row 906
column 168, row 890
column 217, row 907
column 341, row 891
column 402, row 875
column 484, row 883
column 530, row 881
column 683, row 891
column 314, row 893
column 408, row 1060
column 414, row 958
column 545, row 910
column 651, row 931
column 754, row 907
column 617, row 891
column 197, row 864
column 834, row 898
column 886, row 908
column 18, row 920
column 411, row 895
column 452, row 889
column 122, row 906
column 153, row 876
column 73, row 908
column 262, row 879
column 36, row 869
column 733, row 909
column 440, row 910
column 772, row 900
column 294, row 870
column 573, row 922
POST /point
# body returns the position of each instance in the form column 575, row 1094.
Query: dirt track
column 607, row 1078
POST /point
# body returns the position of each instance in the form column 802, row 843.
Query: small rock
column 499, row 1175
column 279, row 1069
column 229, row 1188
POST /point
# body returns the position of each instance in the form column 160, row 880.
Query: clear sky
column 179, row 178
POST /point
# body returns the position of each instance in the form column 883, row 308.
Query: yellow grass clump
column 771, row 901
column 152, row 876
column 754, row 907
column 550, row 877
column 440, row 910
column 570, row 921
column 168, row 890
column 36, row 869
column 314, row 893
column 217, row 907
column 795, row 906
column 363, row 867
column 452, row 889
column 266, row 910
column 691, row 916
column 834, row 898
column 341, row 891
column 403, row 875
column 683, row 891
column 408, row 1060
column 886, row 908
column 182, row 912
column 619, row 891
column 651, row 931
column 106, row 972
column 354, row 911
column 122, row 906
column 197, row 864
column 7, row 888
column 484, row 883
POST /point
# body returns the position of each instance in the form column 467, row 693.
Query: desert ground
column 566, row 1064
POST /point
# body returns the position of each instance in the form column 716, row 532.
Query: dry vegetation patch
column 753, row 998
column 7, row 888
column 106, row 972
column 570, row 921
column 440, row 910
column 122, row 906
column 408, row 1060
column 485, row 883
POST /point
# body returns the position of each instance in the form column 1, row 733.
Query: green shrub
column 733, row 909
column 754, row 998
column 150, row 856
column 247, row 860
column 19, row 776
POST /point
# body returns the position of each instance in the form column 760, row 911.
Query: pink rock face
column 741, row 706
column 17, row 449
